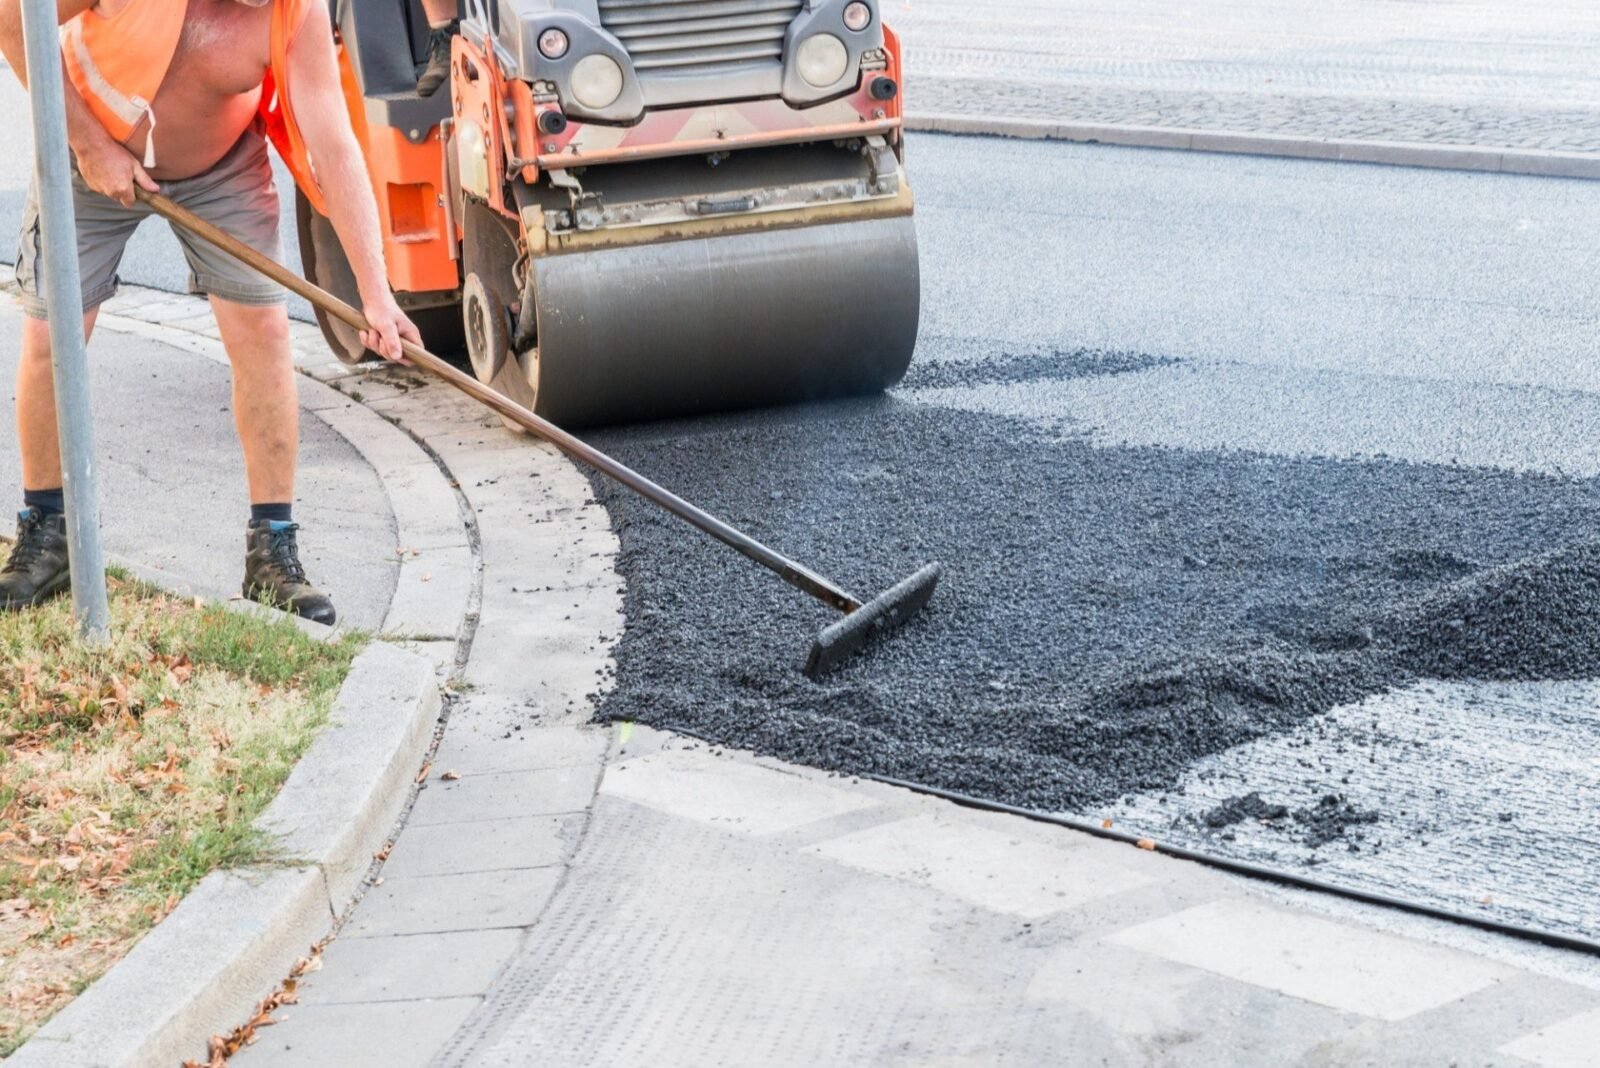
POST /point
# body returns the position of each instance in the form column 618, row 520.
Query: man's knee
column 252, row 328
column 36, row 337
column 35, row 340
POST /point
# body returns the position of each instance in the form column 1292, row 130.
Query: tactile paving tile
column 624, row 968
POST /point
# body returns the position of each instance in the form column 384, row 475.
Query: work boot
column 38, row 569
column 436, row 71
column 273, row 575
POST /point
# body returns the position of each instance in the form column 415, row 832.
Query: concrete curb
column 239, row 932
column 1393, row 153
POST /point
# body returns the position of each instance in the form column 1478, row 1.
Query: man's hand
column 389, row 324
column 111, row 170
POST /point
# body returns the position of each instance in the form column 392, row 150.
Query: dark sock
column 47, row 501
column 275, row 513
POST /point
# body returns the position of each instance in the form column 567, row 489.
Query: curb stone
column 239, row 932
column 1547, row 164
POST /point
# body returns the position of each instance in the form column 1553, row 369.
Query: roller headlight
column 857, row 16
column 596, row 82
column 822, row 60
column 552, row 44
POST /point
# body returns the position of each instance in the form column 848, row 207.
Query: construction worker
column 442, row 24
column 167, row 95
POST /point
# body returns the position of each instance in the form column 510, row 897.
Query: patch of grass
column 130, row 772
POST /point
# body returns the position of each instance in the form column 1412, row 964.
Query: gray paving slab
column 382, row 1034
column 1568, row 1042
column 172, row 479
column 468, row 902
column 547, row 791
column 480, row 742
column 432, row 591
column 483, row 845
column 417, row 967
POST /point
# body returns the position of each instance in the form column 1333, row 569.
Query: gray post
column 53, row 181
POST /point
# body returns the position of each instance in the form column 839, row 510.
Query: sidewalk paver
column 431, row 904
column 395, row 1034
column 483, row 845
column 418, row 966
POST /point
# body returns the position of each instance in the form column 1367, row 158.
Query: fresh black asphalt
column 1109, row 614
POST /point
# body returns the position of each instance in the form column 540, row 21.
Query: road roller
column 638, row 209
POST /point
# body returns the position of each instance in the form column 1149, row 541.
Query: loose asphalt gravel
column 1110, row 615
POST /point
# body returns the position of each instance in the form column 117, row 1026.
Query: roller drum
column 739, row 320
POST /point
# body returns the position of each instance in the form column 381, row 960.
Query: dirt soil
column 1109, row 616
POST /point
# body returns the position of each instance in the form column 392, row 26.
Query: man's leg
column 36, row 406
column 266, row 412
column 37, row 568
column 266, row 408
column 442, row 22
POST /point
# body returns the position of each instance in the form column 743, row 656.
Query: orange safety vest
column 118, row 62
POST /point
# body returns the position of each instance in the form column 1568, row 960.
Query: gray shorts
column 236, row 195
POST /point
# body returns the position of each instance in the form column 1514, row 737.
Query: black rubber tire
column 324, row 263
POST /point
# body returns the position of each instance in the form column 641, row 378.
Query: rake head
column 841, row 640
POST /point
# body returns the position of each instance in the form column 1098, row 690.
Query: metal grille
column 699, row 36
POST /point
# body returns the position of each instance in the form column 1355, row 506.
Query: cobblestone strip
column 1309, row 117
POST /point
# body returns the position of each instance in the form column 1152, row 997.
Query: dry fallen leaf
column 451, row 775
column 427, row 766
column 1106, row 824
column 1147, row 843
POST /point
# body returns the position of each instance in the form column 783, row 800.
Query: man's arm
column 319, row 110
column 105, row 165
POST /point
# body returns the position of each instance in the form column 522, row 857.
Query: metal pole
column 53, row 183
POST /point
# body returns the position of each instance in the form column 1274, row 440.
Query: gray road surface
column 1500, row 73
